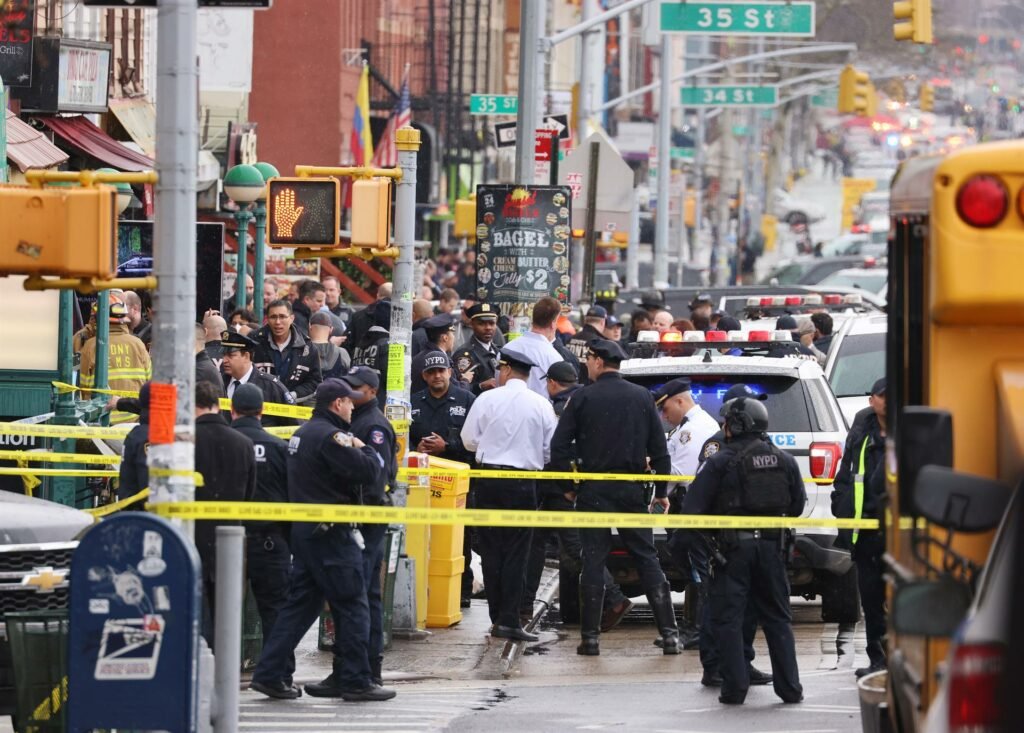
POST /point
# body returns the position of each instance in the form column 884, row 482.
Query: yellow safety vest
column 858, row 487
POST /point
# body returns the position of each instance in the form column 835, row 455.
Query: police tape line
column 72, row 472
column 90, row 459
column 343, row 513
column 85, row 432
column 102, row 511
column 556, row 475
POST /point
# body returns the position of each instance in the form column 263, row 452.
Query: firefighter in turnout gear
column 128, row 364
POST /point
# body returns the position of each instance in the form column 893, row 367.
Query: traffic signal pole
column 661, row 229
column 174, row 254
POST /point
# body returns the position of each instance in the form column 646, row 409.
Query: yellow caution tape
column 283, row 431
column 6, row 471
column 52, row 457
column 343, row 513
column 102, row 511
column 64, row 387
column 169, row 472
column 556, row 475
column 29, row 481
column 63, row 431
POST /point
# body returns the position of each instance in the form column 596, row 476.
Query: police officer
column 593, row 328
column 510, row 428
column 268, row 557
column 750, row 477
column 859, row 493
column 371, row 427
column 612, row 426
column 326, row 465
column 477, row 359
column 440, row 330
column 238, row 367
column 438, row 414
column 133, row 473
column 372, row 347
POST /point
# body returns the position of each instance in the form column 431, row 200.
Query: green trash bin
column 252, row 631
column 388, row 570
column 39, row 643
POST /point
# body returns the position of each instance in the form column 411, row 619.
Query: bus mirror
column 930, row 607
column 925, row 438
column 958, row 501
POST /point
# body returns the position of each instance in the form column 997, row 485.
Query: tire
column 840, row 599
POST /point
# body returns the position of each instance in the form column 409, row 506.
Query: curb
column 512, row 650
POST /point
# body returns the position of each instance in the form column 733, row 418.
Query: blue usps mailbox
column 133, row 645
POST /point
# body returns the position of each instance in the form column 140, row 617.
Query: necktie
column 235, row 385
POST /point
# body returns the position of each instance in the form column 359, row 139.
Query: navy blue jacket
column 444, row 416
column 324, row 467
column 371, row 427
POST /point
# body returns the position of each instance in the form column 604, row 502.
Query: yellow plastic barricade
column 417, row 538
column 446, row 560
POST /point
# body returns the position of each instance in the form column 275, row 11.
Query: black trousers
column 373, row 557
column 755, row 572
column 867, row 554
column 268, row 563
column 504, row 551
column 469, row 535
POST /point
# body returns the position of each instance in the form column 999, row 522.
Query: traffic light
column 870, row 106
column 854, row 89
column 927, row 98
column 465, row 219
column 63, row 231
column 915, row 18
column 371, row 213
column 303, row 212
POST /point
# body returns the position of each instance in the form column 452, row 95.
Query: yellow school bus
column 955, row 375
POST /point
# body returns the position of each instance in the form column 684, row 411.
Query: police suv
column 805, row 420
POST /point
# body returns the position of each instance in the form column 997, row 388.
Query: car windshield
column 840, row 245
column 786, row 402
column 860, row 361
column 788, row 274
column 873, row 281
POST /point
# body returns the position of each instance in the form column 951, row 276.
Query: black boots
column 376, row 671
column 591, row 609
column 660, row 598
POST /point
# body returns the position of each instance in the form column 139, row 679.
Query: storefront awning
column 84, row 136
column 28, row 148
column 138, row 117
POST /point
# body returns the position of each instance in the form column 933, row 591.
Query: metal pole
column 633, row 245
column 102, row 375
column 227, row 634
column 586, row 13
column 682, row 233
column 590, row 236
column 661, row 232
column 3, row 131
column 407, row 140
column 261, row 260
column 177, row 144
column 242, row 217
column 698, row 189
column 62, row 488
column 531, row 19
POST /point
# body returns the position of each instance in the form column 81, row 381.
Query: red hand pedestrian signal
column 304, row 212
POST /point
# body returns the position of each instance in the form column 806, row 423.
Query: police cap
column 512, row 358
column 330, row 390
column 701, row 299
column 562, row 372
column 608, row 350
column 671, row 389
column 359, row 375
column 232, row 340
column 248, row 398
column 483, row 312
column 439, row 322
column 436, row 360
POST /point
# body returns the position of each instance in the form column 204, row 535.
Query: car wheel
column 840, row 599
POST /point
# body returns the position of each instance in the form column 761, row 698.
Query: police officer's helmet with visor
column 744, row 416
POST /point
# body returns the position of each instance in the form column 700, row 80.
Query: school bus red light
column 982, row 202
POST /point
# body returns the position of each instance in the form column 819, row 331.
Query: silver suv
column 806, row 421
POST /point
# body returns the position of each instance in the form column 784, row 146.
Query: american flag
column 386, row 154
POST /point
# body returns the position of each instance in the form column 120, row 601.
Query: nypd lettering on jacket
column 765, row 462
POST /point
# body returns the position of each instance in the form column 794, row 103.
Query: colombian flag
column 362, row 141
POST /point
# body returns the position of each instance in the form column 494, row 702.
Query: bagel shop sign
column 523, row 235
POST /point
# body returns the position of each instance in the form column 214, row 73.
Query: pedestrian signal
column 465, row 218
column 303, row 212
column 62, row 231
column 371, row 213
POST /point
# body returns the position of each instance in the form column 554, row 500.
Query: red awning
column 91, row 140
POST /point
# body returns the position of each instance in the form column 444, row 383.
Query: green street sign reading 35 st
column 493, row 104
column 729, row 96
column 743, row 18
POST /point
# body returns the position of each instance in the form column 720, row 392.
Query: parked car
column 873, row 280
column 810, row 270
column 855, row 360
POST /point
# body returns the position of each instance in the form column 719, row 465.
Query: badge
column 710, row 449
column 343, row 439
column 377, row 437
column 464, row 363
column 684, row 436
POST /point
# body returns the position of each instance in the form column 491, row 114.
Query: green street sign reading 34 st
column 729, row 96
column 744, row 18
column 493, row 104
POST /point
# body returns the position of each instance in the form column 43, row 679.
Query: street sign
column 493, row 104
column 542, row 154
column 505, row 132
column 682, row 153
column 827, row 100
column 303, row 212
column 729, row 96
column 615, row 195
column 733, row 18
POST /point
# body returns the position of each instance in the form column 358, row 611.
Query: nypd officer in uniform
column 477, row 359
column 749, row 476
column 238, row 367
column 326, row 465
column 438, row 414
column 612, row 426
column 268, row 557
column 440, row 330
column 371, row 427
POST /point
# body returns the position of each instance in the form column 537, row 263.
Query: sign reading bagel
column 523, row 235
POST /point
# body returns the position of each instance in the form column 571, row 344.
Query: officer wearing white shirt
column 509, row 427
column 691, row 425
column 536, row 344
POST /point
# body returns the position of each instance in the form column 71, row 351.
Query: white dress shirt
column 238, row 382
column 685, row 441
column 510, row 426
column 540, row 351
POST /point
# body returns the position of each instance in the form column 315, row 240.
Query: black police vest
column 762, row 483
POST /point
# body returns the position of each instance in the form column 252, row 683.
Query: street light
column 267, row 171
column 124, row 191
column 243, row 185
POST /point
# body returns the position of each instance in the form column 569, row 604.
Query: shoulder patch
column 342, row 439
column 711, row 448
column 377, row 437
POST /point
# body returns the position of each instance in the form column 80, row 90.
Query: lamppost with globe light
column 268, row 171
column 243, row 184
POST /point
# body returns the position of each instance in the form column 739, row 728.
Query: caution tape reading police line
column 341, row 513
column 52, row 457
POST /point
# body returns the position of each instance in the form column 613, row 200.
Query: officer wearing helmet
column 749, row 476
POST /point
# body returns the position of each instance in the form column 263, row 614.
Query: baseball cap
column 331, row 389
column 247, row 398
column 878, row 388
column 359, row 375
column 785, row 323
column 562, row 372
column 597, row 311
column 320, row 318
column 741, row 390
column 727, row 323
column 612, row 321
column 436, row 360
column 671, row 389
column 700, row 299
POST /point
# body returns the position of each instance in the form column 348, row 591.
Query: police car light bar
column 782, row 301
column 712, row 337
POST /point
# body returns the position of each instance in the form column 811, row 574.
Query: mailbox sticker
column 130, row 649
